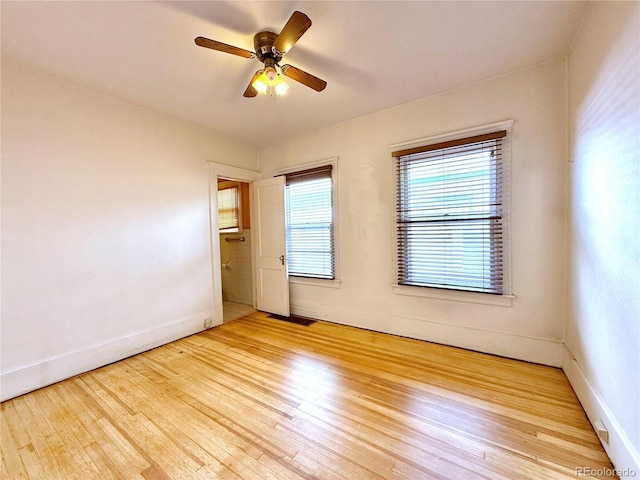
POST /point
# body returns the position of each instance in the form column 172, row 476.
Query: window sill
column 316, row 282
column 454, row 295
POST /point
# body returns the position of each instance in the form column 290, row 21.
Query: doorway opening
column 234, row 228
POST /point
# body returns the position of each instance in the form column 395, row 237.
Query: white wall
column 106, row 247
column 533, row 327
column 603, row 326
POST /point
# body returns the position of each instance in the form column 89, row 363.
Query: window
column 449, row 226
column 309, row 220
column 228, row 207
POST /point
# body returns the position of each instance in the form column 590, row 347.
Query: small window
column 450, row 226
column 228, row 207
column 309, row 223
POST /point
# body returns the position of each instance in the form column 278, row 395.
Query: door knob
column 282, row 259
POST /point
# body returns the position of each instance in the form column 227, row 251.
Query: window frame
column 315, row 281
column 504, row 299
column 227, row 185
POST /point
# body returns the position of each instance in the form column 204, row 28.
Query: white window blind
column 309, row 219
column 229, row 209
column 450, row 231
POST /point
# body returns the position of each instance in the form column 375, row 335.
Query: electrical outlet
column 207, row 323
column 602, row 431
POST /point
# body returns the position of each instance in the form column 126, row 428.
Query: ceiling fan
column 269, row 49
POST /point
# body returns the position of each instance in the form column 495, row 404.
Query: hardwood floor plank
column 261, row 398
column 39, row 454
column 40, row 409
column 107, row 469
column 386, row 443
column 32, row 464
column 11, row 461
column 234, row 456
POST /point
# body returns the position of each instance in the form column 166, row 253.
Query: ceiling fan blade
column 303, row 77
column 292, row 31
column 251, row 91
column 223, row 47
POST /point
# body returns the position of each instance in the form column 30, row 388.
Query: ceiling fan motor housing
column 263, row 45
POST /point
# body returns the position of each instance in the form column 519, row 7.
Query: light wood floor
column 258, row 398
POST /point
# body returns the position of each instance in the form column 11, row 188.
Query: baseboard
column 46, row 372
column 621, row 451
column 520, row 347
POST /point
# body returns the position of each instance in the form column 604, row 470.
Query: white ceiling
column 374, row 55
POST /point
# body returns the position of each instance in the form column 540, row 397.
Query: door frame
column 232, row 173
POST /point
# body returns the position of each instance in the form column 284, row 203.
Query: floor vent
column 294, row 319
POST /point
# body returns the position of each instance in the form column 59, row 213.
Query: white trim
column 214, row 242
column 51, row 370
column 451, row 135
column 506, row 205
column 333, row 161
column 236, row 174
column 521, row 347
column 316, row 282
column 454, row 295
column 623, row 455
column 233, row 173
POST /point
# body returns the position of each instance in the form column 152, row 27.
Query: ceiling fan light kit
column 269, row 80
column 266, row 83
column 269, row 49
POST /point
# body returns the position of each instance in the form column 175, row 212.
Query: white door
column 271, row 265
